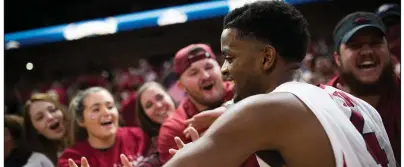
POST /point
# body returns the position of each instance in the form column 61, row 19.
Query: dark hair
column 18, row 150
column 146, row 124
column 43, row 145
column 275, row 23
column 14, row 124
column 76, row 108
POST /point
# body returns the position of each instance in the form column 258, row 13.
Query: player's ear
column 268, row 61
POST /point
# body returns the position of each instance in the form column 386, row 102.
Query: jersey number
column 370, row 138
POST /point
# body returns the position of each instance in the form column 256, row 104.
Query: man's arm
column 256, row 123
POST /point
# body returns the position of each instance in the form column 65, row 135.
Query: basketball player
column 200, row 77
column 293, row 124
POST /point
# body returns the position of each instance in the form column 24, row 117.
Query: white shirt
column 38, row 160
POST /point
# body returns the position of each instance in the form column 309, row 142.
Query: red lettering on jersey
column 324, row 87
column 321, row 86
column 374, row 148
column 372, row 144
column 348, row 102
column 357, row 120
column 343, row 159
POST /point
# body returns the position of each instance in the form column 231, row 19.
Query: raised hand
column 84, row 163
column 125, row 161
column 180, row 144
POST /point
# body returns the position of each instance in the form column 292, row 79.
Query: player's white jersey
column 354, row 127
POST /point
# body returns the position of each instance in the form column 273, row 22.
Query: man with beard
column 293, row 123
column 200, row 77
column 365, row 69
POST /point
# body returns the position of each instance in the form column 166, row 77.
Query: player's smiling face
column 242, row 63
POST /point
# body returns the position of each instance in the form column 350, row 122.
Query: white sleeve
column 38, row 160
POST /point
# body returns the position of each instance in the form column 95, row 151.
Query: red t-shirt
column 175, row 127
column 390, row 111
column 129, row 141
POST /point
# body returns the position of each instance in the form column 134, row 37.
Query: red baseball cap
column 190, row 54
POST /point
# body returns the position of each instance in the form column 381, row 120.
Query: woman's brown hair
column 40, row 143
column 146, row 124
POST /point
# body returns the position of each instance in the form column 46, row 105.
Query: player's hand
column 204, row 119
column 180, row 144
column 84, row 163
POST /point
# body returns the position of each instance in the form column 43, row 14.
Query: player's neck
column 101, row 143
column 287, row 75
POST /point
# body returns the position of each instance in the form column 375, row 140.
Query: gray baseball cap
column 353, row 22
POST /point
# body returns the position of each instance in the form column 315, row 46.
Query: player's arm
column 253, row 124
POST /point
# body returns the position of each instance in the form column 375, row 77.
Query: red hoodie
column 129, row 141
column 175, row 127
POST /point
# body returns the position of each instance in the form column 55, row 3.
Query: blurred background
column 49, row 60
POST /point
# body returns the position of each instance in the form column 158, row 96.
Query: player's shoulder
column 279, row 109
column 272, row 102
column 296, row 87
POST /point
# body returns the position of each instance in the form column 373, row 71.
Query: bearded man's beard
column 358, row 88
